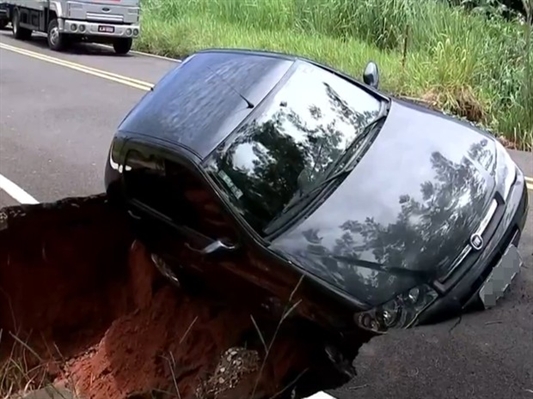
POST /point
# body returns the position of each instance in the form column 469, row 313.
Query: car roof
column 199, row 103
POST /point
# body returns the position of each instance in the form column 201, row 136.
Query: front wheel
column 57, row 41
column 122, row 46
column 18, row 32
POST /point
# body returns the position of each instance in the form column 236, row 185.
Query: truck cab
column 113, row 22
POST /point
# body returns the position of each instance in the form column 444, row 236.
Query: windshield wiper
column 370, row 128
column 319, row 187
column 344, row 172
column 421, row 276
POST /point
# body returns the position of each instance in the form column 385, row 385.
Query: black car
column 276, row 170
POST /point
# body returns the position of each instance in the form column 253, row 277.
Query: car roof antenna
column 248, row 102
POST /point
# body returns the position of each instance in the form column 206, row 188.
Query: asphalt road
column 56, row 122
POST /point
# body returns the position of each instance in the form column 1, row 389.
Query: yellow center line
column 135, row 83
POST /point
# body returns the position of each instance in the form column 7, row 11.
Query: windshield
column 289, row 143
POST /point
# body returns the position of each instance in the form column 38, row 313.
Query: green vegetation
column 463, row 62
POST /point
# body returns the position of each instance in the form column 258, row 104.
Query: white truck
column 114, row 22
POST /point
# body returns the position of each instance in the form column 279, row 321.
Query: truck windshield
column 289, row 143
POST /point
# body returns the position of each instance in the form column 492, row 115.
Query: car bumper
column 465, row 294
column 84, row 28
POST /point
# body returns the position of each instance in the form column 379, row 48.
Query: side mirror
column 371, row 75
column 213, row 247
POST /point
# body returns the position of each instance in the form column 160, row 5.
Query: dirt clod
column 234, row 364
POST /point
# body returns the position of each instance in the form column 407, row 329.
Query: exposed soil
column 78, row 291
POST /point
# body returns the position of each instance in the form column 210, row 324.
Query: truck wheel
column 18, row 32
column 122, row 46
column 57, row 41
column 3, row 23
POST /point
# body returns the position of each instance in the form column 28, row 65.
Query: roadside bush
column 476, row 67
column 506, row 8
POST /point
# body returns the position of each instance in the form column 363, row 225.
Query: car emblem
column 476, row 241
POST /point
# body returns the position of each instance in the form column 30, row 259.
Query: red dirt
column 77, row 288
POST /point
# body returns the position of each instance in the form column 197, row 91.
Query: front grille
column 91, row 16
column 485, row 230
column 511, row 237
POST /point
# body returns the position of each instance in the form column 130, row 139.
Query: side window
column 176, row 192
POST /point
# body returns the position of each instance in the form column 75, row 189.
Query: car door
column 178, row 217
column 194, row 236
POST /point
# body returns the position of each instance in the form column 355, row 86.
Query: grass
column 23, row 372
column 464, row 63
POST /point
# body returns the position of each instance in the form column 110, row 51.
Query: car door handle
column 213, row 247
column 134, row 216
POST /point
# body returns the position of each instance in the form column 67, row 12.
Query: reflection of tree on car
column 433, row 219
column 288, row 148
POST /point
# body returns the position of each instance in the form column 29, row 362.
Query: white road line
column 17, row 193
column 156, row 56
column 321, row 395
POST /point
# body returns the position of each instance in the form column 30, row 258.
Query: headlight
column 506, row 169
column 400, row 312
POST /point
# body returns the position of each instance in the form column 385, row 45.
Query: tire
column 18, row 32
column 57, row 41
column 3, row 23
column 122, row 46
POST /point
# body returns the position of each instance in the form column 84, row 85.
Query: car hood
column 406, row 210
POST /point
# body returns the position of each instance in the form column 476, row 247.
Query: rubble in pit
column 78, row 290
